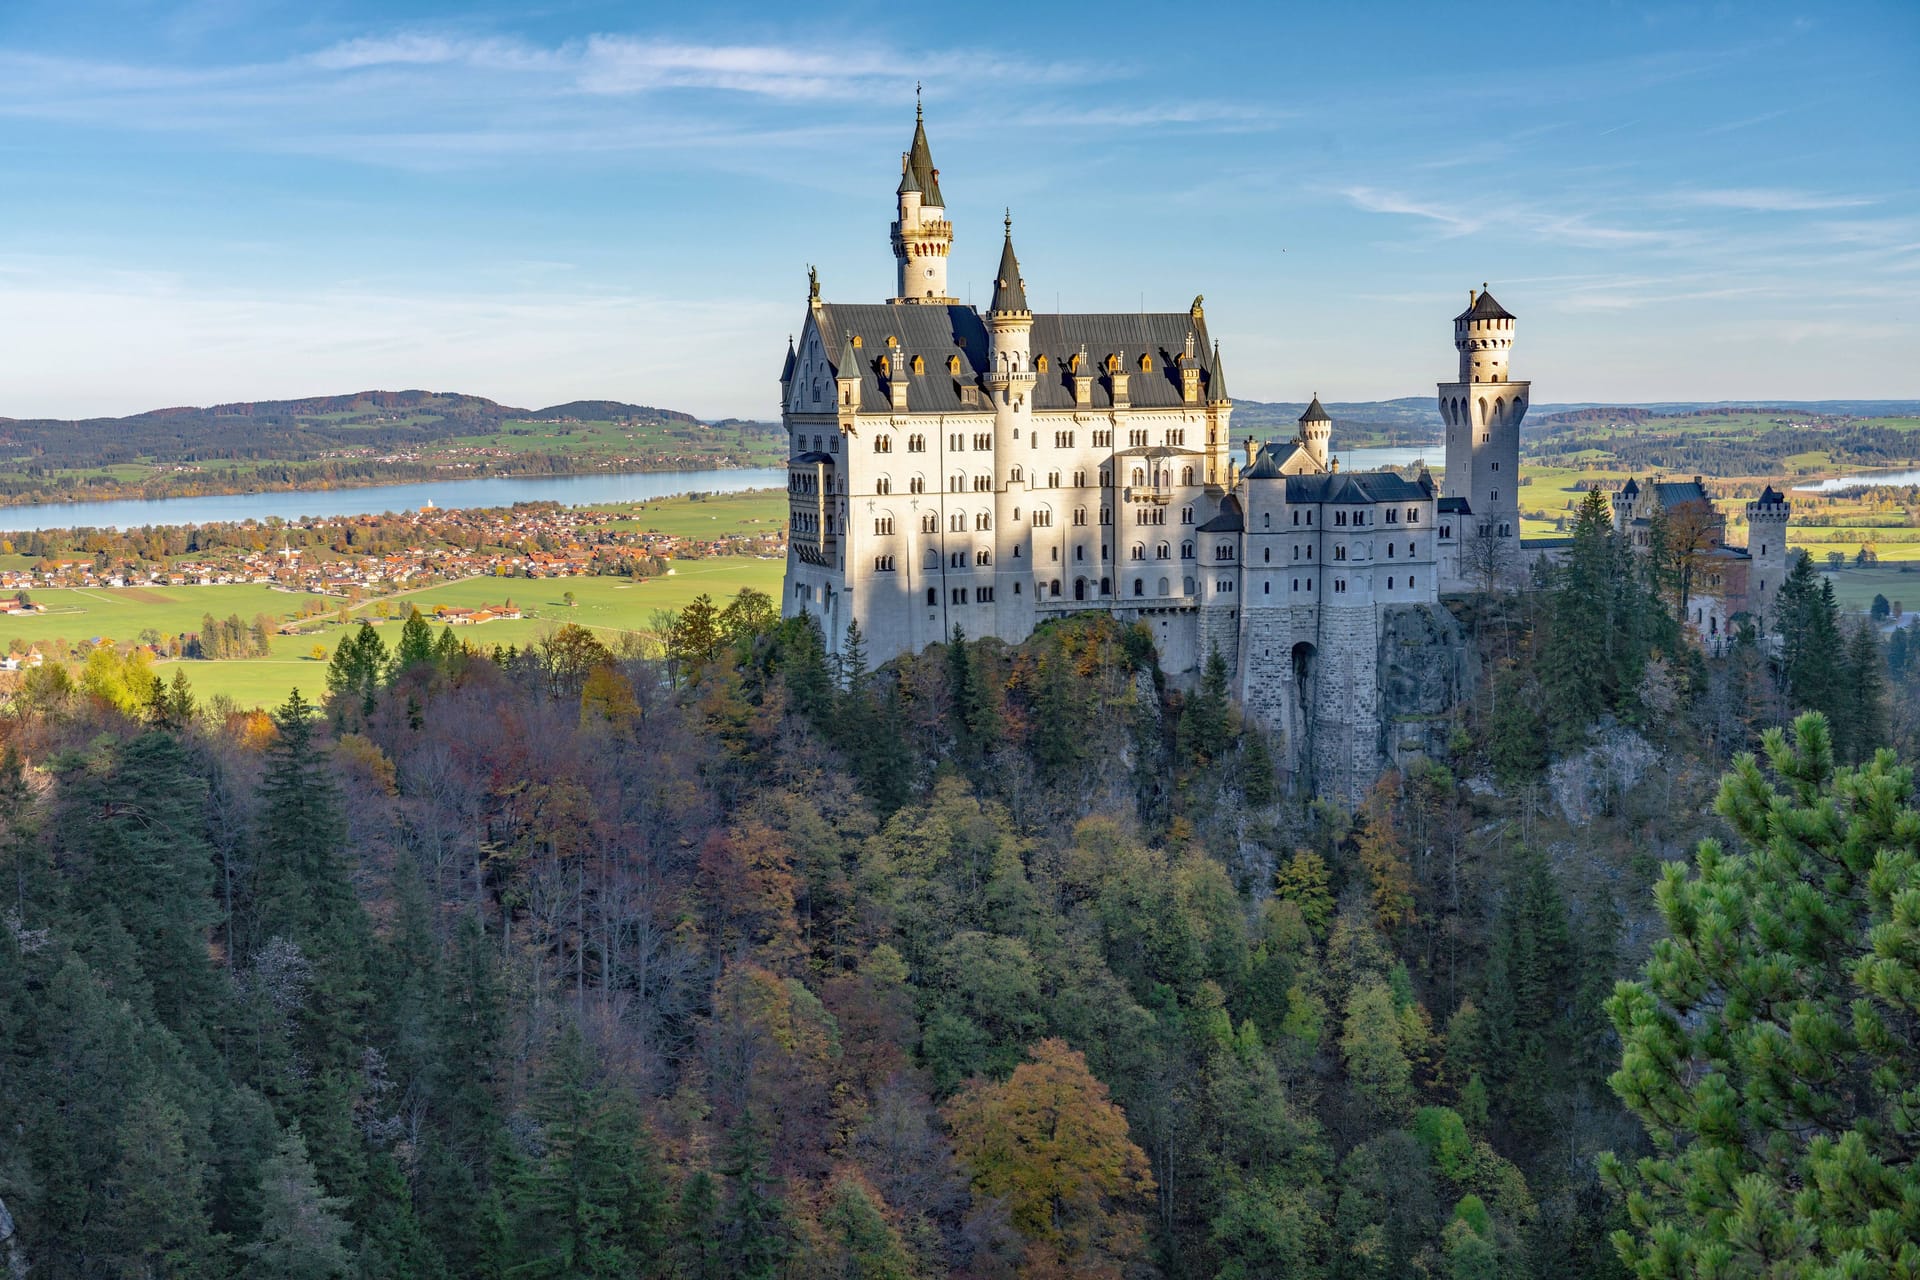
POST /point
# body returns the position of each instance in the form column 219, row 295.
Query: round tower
column 922, row 236
column 1767, row 518
column 1316, row 431
column 1483, row 410
column 1010, row 381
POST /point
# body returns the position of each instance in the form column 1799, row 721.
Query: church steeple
column 922, row 236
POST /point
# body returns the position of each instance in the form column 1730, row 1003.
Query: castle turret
column 1767, row 518
column 1010, row 380
column 1316, row 431
column 1219, row 423
column 1483, row 411
column 922, row 236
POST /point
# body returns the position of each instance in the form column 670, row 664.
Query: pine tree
column 592, row 1202
column 1206, row 726
column 302, row 1236
column 1769, row 1050
column 1865, row 680
column 753, row 1231
column 415, row 648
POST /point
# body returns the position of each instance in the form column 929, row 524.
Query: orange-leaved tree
column 1055, row 1147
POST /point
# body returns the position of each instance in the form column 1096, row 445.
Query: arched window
column 1139, row 586
column 1139, row 476
column 933, row 596
column 883, row 485
column 1016, row 475
column 931, row 560
column 1186, row 551
column 1186, row 475
column 1164, row 587
column 1163, row 552
column 1139, row 551
column 1106, row 586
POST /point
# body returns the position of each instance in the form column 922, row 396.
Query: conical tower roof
column 1315, row 413
column 1485, row 308
column 848, row 365
column 907, row 181
column 920, row 164
column 786, row 371
column 1217, row 379
column 1009, row 290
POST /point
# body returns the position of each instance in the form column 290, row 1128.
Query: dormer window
column 953, row 365
column 1146, row 364
column 919, row 365
column 857, row 343
column 1040, row 364
column 1113, row 364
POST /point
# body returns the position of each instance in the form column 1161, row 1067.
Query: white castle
column 957, row 472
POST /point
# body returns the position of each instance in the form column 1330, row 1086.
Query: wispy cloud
column 1769, row 200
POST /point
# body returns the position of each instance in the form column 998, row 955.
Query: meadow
column 615, row 608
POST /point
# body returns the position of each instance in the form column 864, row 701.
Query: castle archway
column 1306, row 674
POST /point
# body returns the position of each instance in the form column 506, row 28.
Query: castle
column 951, row 471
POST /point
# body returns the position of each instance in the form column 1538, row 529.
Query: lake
column 1837, row 483
column 493, row 491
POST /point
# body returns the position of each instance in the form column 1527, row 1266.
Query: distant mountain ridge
column 447, row 403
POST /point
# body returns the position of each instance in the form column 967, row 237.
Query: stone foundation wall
column 1345, row 734
column 1423, row 677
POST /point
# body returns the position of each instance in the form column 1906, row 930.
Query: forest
column 738, row 961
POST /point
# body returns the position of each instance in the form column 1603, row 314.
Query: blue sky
column 241, row 199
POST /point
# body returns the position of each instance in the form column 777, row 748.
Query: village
column 356, row 557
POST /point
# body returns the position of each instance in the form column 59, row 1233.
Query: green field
column 755, row 511
column 614, row 607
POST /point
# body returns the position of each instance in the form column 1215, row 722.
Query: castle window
column 883, row 564
column 983, row 522
column 983, row 557
column 1339, row 518
column 983, row 441
column 1103, row 439
column 1296, row 584
column 1496, row 495
column 892, row 342
column 916, row 444
column 883, row 526
column 1413, row 515
column 957, row 522
column 1043, row 518
column 983, row 484
column 1080, row 516
column 1496, row 466
column 1146, row 364
column 1139, row 477
column 1016, row 514
column 919, row 365
column 1106, row 515
column 1113, row 364
column 1053, row 479
column 1139, row 586
column 1053, row 588
column 1079, row 479
column 1163, row 552
column 1389, row 584
column 883, row 444
column 1139, row 552
column 857, row 342
column 1016, row 475
column 1186, row 515
column 1296, row 517
column 917, row 484
column 932, row 597
column 883, row 485
column 1393, row 517
column 1106, row 586
column 953, row 365
column 1106, row 477
column 1040, row 364
column 833, row 445
column 1409, row 580
column 1446, row 531
column 1137, row 439
column 1268, row 555
column 1186, row 551
column 1016, row 588
column 1339, row 586
column 1079, row 554
column 959, row 595
column 1389, row 551
column 1340, row 552
column 1266, row 588
column 1410, row 551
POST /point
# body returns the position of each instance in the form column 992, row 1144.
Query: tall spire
column 1217, row 383
column 920, row 159
column 1009, row 290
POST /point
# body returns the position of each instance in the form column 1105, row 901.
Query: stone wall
column 1345, row 734
column 1423, row 677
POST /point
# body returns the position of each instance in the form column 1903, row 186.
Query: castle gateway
column 953, row 470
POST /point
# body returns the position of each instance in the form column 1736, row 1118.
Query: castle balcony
column 1160, row 493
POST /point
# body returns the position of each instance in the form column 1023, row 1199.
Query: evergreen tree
column 1865, row 680
column 302, row 1236
column 1769, row 1050
column 1206, row 723
column 1811, row 652
column 592, row 1202
column 416, row 645
column 753, row 1230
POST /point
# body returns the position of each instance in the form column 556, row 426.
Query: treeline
column 746, row 960
column 1705, row 452
column 230, row 638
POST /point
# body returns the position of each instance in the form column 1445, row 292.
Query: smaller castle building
column 1723, row 585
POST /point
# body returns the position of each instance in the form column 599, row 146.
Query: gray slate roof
column 1355, row 488
column 1009, row 290
column 1485, row 308
column 1771, row 494
column 1227, row 520
column 1455, row 506
column 1315, row 413
column 1672, row 493
column 920, row 160
column 937, row 333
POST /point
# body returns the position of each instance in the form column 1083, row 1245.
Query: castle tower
column 1316, row 431
column 922, row 236
column 1767, row 545
column 1219, row 422
column 1010, row 380
column 1483, row 410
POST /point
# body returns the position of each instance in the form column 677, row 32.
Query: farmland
column 615, row 608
